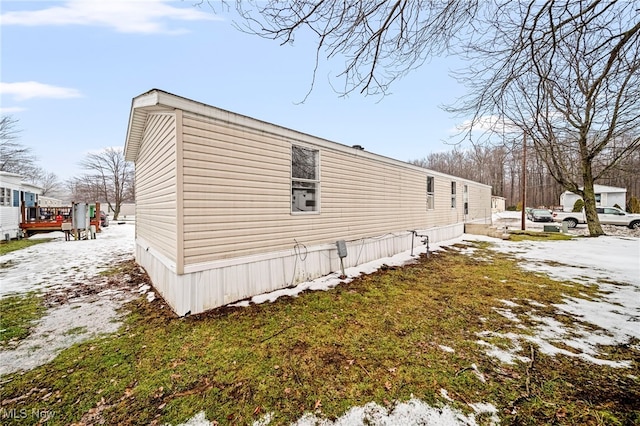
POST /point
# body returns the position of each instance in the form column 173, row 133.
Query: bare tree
column 49, row 182
column 14, row 157
column 86, row 188
column 565, row 73
column 109, row 180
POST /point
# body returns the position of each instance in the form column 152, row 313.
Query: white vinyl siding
column 156, row 185
column 479, row 207
column 236, row 189
column 237, row 194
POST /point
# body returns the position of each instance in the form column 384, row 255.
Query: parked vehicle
column 607, row 216
column 540, row 215
column 104, row 219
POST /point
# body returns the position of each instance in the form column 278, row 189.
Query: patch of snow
column 61, row 263
column 264, row 421
column 412, row 412
column 57, row 265
column 508, row 314
column 548, row 348
column 446, row 348
column 60, row 328
column 536, row 304
column 199, row 419
column 478, row 373
column 485, row 408
column 506, row 356
column 618, row 311
column 509, row 303
column 151, row 296
column 612, row 264
column 587, row 260
column 445, row 394
column 544, row 345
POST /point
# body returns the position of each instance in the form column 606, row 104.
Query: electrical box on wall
column 342, row 248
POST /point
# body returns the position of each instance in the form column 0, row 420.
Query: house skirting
column 10, row 222
column 209, row 285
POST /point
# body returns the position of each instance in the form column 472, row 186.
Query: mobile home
column 606, row 196
column 228, row 206
column 14, row 192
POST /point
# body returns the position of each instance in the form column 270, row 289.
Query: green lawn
column 18, row 314
column 377, row 338
column 12, row 245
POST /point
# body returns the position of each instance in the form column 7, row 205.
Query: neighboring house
column 49, row 202
column 606, row 196
column 126, row 210
column 228, row 207
column 498, row 204
column 14, row 191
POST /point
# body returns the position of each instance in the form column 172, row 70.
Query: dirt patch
column 126, row 277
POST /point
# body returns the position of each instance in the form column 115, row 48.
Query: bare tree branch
column 379, row 40
column 109, row 181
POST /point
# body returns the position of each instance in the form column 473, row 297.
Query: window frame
column 431, row 198
column 598, row 198
column 5, row 197
column 454, row 191
column 303, row 180
column 465, row 198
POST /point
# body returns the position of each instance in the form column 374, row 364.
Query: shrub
column 617, row 206
column 633, row 206
column 578, row 206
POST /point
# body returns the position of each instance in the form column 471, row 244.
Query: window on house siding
column 465, row 198
column 430, row 193
column 16, row 198
column 453, row 195
column 5, row 197
column 305, row 180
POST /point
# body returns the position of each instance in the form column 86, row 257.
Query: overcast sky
column 71, row 68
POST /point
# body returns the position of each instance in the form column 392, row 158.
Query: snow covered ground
column 612, row 263
column 61, row 263
column 66, row 268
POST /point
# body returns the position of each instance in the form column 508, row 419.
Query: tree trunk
column 589, row 197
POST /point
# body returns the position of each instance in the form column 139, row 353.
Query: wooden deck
column 37, row 219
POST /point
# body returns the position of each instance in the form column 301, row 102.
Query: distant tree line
column 109, row 179
column 501, row 167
